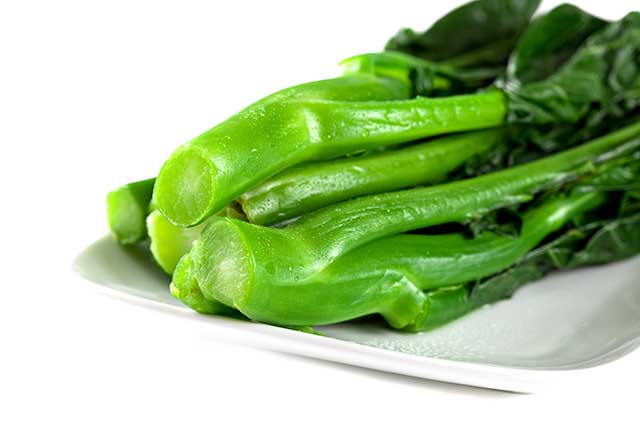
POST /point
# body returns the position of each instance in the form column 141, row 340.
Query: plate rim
column 274, row 338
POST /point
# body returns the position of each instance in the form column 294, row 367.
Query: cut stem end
column 184, row 190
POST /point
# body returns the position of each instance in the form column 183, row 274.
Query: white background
column 95, row 94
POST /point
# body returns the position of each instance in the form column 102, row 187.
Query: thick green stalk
column 276, row 133
column 449, row 259
column 170, row 242
column 599, row 80
column 312, row 186
column 426, row 77
column 388, row 276
column 240, row 264
column 438, row 264
column 207, row 173
column 127, row 209
column 404, row 264
column 402, row 67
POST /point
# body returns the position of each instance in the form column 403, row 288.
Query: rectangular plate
column 565, row 327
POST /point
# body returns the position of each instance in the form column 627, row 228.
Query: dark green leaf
column 616, row 177
column 526, row 143
column 503, row 222
column 630, row 203
column 601, row 80
column 428, row 78
column 479, row 33
column 594, row 243
column 616, row 240
column 549, row 42
column 505, row 285
column 611, row 233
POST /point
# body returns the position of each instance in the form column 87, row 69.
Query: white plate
column 566, row 327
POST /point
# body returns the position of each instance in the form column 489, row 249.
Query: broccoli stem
column 204, row 175
column 444, row 260
column 127, row 209
column 245, row 265
column 312, row 186
column 439, row 264
column 388, row 276
column 296, row 126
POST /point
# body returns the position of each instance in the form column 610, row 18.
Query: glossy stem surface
column 308, row 187
column 241, row 264
column 270, row 136
column 207, row 173
column 439, row 264
column 389, row 276
column 339, row 228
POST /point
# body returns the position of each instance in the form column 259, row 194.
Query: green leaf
column 502, row 222
column 594, row 243
column 550, row 41
column 630, row 203
column 591, row 105
column 614, row 241
column 616, row 177
column 428, row 78
column 601, row 80
column 479, row 33
column 609, row 234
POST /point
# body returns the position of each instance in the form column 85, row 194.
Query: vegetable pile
column 428, row 180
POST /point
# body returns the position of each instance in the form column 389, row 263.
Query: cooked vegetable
column 312, row 186
column 309, row 187
column 271, row 135
column 598, row 242
column 315, row 121
column 209, row 172
column 127, row 210
column 507, row 147
column 388, row 276
column 246, row 266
